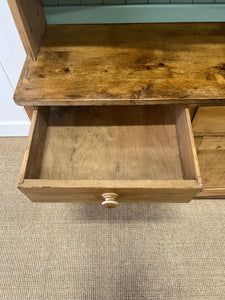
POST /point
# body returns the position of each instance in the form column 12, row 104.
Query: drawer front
column 73, row 191
column 121, row 154
column 209, row 131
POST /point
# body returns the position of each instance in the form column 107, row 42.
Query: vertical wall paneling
column 12, row 54
column 13, row 119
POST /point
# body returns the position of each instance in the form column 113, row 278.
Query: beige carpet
column 82, row 251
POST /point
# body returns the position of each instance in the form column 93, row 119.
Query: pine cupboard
column 113, row 108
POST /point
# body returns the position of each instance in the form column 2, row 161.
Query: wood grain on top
column 127, row 64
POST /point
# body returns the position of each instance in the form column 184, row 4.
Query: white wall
column 13, row 119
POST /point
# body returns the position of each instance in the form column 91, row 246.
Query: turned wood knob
column 110, row 200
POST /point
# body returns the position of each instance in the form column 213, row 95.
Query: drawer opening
column 110, row 143
column 112, row 148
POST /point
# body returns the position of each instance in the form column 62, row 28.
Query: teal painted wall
column 133, row 11
column 125, row 2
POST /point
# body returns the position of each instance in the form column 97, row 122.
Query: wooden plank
column 188, row 155
column 127, row 64
column 128, row 190
column 35, row 145
column 209, row 129
column 30, row 22
column 211, row 194
column 209, row 121
column 211, row 156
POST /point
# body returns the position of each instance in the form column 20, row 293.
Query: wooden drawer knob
column 110, row 200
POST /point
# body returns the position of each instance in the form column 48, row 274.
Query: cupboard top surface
column 126, row 64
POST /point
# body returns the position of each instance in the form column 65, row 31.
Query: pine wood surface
column 30, row 22
column 209, row 131
column 209, row 121
column 187, row 150
column 127, row 64
column 35, row 144
column 211, row 156
column 89, row 191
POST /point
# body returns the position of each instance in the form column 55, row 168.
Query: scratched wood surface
column 127, row 64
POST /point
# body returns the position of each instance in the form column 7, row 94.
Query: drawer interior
column 141, row 153
column 110, row 143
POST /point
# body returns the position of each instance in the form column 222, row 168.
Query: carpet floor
column 83, row 251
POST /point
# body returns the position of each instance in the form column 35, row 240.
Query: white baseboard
column 14, row 129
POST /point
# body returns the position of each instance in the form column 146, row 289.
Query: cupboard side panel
column 30, row 22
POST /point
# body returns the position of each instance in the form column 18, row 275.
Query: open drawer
column 140, row 153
